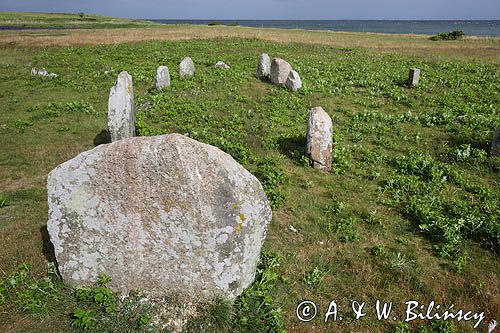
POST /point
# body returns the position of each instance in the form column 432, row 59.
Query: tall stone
column 293, row 81
column 414, row 77
column 319, row 139
column 165, row 215
column 264, row 66
column 121, row 110
column 162, row 77
column 495, row 144
column 186, row 67
column 280, row 69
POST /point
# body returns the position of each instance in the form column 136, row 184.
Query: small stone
column 121, row 110
column 264, row 66
column 414, row 78
column 162, row 77
column 186, row 67
column 495, row 144
column 319, row 139
column 221, row 64
column 42, row 72
column 166, row 215
column 293, row 82
column 280, row 70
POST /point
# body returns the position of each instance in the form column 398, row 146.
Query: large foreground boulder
column 319, row 139
column 163, row 214
column 121, row 110
column 280, row 70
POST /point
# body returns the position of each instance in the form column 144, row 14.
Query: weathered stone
column 414, row 78
column 495, row 144
column 293, row 82
column 280, row 69
column 162, row 77
column 264, row 66
column 42, row 72
column 121, row 110
column 221, row 64
column 164, row 214
column 186, row 67
column 319, row 139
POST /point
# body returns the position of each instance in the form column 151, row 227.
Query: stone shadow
column 294, row 147
column 403, row 83
column 47, row 246
column 102, row 138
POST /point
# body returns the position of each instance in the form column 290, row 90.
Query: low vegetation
column 454, row 35
column 79, row 20
column 409, row 211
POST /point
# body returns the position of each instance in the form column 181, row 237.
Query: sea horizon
column 419, row 27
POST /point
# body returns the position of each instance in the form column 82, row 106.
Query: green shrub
column 254, row 309
column 272, row 179
column 454, row 35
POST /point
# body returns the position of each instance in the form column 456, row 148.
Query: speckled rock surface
column 414, row 77
column 495, row 144
column 186, row 67
column 293, row 82
column 121, row 110
column 319, row 139
column 222, row 64
column 264, row 66
column 162, row 77
column 280, row 69
column 163, row 214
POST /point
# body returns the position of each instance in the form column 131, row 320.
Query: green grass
column 409, row 212
column 68, row 20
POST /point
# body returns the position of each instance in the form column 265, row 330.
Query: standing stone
column 186, row 67
column 162, row 77
column 495, row 144
column 414, row 78
column 121, row 110
column 221, row 64
column 319, row 139
column 293, row 82
column 264, row 66
column 164, row 214
column 280, row 69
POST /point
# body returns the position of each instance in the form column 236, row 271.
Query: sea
column 474, row 28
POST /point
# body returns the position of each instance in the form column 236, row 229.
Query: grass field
column 409, row 212
column 72, row 21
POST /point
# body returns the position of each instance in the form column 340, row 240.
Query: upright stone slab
column 414, row 77
column 186, row 67
column 264, row 66
column 495, row 144
column 121, row 110
column 165, row 215
column 162, row 77
column 293, row 82
column 319, row 139
column 280, row 69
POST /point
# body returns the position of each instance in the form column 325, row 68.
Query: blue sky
column 269, row 9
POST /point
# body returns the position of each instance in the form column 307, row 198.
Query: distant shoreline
column 479, row 28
